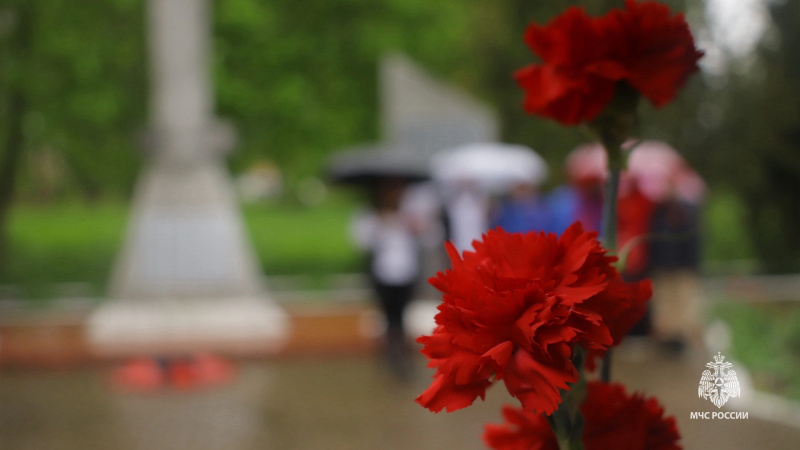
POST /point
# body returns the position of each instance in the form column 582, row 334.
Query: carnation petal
column 538, row 386
column 501, row 354
column 578, row 246
column 449, row 396
column 576, row 294
column 523, row 430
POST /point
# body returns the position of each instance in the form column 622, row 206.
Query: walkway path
column 327, row 392
column 341, row 403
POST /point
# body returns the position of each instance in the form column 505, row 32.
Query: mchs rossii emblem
column 720, row 383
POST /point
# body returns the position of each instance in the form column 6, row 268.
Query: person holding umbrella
column 398, row 222
column 389, row 232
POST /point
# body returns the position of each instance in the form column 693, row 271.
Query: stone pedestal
column 234, row 326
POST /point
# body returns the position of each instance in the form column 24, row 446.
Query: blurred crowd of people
column 405, row 224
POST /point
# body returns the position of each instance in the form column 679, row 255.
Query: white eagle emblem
column 720, row 385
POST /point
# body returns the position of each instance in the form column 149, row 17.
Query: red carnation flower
column 584, row 58
column 616, row 420
column 514, row 308
column 612, row 420
column 657, row 50
column 523, row 430
column 573, row 84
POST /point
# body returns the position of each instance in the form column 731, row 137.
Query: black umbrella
column 368, row 165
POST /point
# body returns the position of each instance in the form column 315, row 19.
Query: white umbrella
column 492, row 165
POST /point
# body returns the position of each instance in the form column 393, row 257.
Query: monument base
column 233, row 326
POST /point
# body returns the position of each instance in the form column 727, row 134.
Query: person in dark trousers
column 389, row 235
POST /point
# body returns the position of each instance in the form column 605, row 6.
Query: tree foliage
column 299, row 81
column 71, row 82
column 755, row 147
column 82, row 76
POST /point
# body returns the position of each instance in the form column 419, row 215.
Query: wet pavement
column 344, row 402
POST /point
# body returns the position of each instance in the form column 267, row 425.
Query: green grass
column 74, row 242
column 291, row 239
column 62, row 244
column 766, row 339
column 78, row 243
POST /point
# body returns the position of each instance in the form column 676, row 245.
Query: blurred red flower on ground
column 513, row 310
column 182, row 373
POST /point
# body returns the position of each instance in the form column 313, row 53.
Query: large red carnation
column 584, row 58
column 514, row 309
column 612, row 419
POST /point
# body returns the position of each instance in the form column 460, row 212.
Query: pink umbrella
column 586, row 164
column 657, row 169
column 661, row 172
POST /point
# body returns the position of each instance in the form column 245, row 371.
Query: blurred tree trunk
column 15, row 48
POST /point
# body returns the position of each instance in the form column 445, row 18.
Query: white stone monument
column 187, row 279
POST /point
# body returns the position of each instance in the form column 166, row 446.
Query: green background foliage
column 299, row 81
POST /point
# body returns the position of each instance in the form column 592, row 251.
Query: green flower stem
column 609, row 238
column 614, row 126
column 567, row 444
column 567, row 436
column 567, row 420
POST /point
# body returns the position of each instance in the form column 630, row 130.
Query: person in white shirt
column 467, row 209
column 390, row 233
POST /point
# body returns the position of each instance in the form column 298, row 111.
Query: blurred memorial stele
column 187, row 278
column 420, row 116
